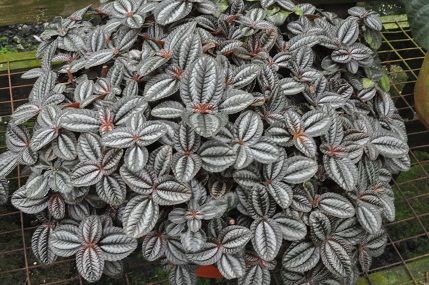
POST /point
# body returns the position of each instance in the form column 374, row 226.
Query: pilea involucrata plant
column 253, row 136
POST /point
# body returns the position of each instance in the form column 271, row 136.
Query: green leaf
column 418, row 15
column 367, row 83
column 384, row 81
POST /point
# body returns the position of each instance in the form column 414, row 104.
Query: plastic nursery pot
column 208, row 271
column 421, row 93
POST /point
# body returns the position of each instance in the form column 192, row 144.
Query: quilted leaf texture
column 93, row 243
column 231, row 134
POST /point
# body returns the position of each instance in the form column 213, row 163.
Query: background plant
column 249, row 135
column 417, row 11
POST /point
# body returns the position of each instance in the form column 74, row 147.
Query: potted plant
column 418, row 13
column 219, row 137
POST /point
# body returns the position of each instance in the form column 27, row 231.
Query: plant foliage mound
column 253, row 136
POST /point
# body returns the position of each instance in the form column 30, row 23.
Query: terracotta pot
column 208, row 271
column 421, row 93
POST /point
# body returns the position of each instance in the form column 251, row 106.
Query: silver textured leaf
column 27, row 205
column 99, row 57
column 89, row 147
column 320, row 226
column 209, row 254
column 78, row 120
column 301, row 257
column 299, row 169
column 115, row 245
column 40, row 244
column 255, row 275
column 234, row 238
column 342, row 171
column 8, row 161
column 182, row 275
column 190, row 49
column 292, row 229
column 84, row 92
column 86, row 174
column 42, row 137
column 37, row 187
column 25, row 112
column 64, row 146
column 169, row 11
column 369, row 217
column 336, row 205
column 248, row 127
column 90, row 263
column 192, row 239
column 206, row 125
column 267, row 238
column 244, row 75
column 185, row 166
column 153, row 246
column 161, row 86
column 175, row 253
column 281, row 193
column 316, row 122
column 203, row 82
column 170, row 192
column 216, row 156
column 160, row 160
column 168, row 110
column 235, row 101
column 111, row 189
column 140, row 216
column 389, row 146
column 127, row 107
column 65, row 240
column 17, row 138
column 123, row 137
column 231, row 266
column 336, row 258
column 4, row 191
column 348, row 31
column 260, row 201
column 140, row 182
column 265, row 151
column 57, row 207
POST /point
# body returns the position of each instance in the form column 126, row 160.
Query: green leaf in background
column 299, row 11
column 418, row 15
column 222, row 5
column 373, row 38
column 277, row 15
column 367, row 83
column 384, row 81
